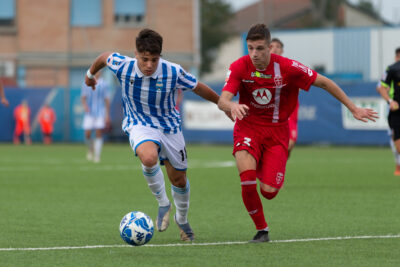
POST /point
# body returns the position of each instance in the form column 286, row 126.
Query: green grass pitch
column 51, row 197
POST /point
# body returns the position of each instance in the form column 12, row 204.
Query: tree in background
column 215, row 16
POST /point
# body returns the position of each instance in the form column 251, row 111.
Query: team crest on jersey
column 159, row 85
column 278, row 81
column 262, row 96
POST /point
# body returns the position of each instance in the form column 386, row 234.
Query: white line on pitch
column 212, row 244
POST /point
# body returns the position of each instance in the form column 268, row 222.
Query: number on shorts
column 247, row 141
column 183, row 154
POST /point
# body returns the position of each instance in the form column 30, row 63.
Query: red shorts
column 47, row 128
column 293, row 130
column 21, row 127
column 268, row 145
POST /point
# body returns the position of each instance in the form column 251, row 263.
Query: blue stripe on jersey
column 118, row 56
column 152, row 104
column 127, row 89
column 186, row 85
column 119, row 72
column 137, row 90
column 164, row 89
column 170, row 105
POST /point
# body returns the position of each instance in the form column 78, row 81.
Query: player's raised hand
column 91, row 82
column 4, row 101
column 365, row 114
column 239, row 111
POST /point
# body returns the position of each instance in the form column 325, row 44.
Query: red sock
column 251, row 198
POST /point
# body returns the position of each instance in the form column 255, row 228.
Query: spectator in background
column 277, row 48
column 22, row 115
column 390, row 91
column 47, row 118
column 97, row 116
column 3, row 98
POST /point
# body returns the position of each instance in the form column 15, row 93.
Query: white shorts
column 171, row 146
column 93, row 123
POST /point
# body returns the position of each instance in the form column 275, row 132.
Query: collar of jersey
column 154, row 75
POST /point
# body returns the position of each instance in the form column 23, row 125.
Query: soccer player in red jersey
column 22, row 114
column 47, row 118
column 277, row 48
column 268, row 87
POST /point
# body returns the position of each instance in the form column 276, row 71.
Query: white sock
column 395, row 153
column 89, row 144
column 155, row 180
column 98, row 144
column 181, row 198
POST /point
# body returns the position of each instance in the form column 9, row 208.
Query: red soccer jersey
column 270, row 94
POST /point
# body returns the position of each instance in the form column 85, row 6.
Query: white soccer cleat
column 89, row 156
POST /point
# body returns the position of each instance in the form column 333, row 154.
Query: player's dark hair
column 276, row 40
column 149, row 41
column 259, row 32
column 398, row 51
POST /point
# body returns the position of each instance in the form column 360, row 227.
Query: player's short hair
column 276, row 40
column 259, row 32
column 149, row 41
column 398, row 51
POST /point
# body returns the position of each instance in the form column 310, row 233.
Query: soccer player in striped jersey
column 149, row 89
column 97, row 116
column 268, row 87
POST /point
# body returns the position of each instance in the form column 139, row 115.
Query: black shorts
column 394, row 124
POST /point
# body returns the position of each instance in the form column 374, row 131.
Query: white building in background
column 360, row 53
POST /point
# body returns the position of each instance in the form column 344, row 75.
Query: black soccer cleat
column 261, row 236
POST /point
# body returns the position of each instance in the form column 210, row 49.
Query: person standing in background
column 277, row 48
column 96, row 104
column 390, row 91
column 3, row 98
column 22, row 114
column 47, row 118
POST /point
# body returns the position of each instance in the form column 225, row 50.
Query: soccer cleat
column 186, row 231
column 396, row 173
column 89, row 156
column 96, row 159
column 162, row 221
column 261, row 236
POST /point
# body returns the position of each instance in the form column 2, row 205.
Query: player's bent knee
column 148, row 160
column 269, row 195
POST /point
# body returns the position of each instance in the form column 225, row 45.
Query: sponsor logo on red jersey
column 262, row 96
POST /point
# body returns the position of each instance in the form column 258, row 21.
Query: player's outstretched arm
column 99, row 63
column 3, row 98
column 226, row 104
column 209, row 94
column 362, row 114
column 206, row 92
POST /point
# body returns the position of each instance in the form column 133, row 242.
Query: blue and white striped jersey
column 150, row 100
column 95, row 99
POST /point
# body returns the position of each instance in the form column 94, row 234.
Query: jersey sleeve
column 115, row 61
column 233, row 80
column 301, row 76
column 185, row 80
column 387, row 78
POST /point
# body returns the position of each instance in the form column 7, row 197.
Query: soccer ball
column 136, row 228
